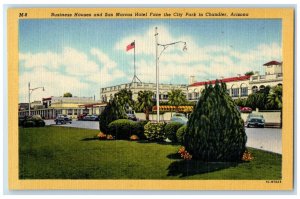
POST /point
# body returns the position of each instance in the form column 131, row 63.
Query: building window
column 70, row 111
column 235, row 92
column 196, row 95
column 254, row 89
column 190, row 96
column 262, row 87
column 165, row 96
column 244, row 91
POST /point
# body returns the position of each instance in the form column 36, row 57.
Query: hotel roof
column 272, row 63
column 225, row 80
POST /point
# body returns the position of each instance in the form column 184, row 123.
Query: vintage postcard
column 150, row 98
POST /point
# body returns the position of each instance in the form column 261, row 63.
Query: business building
column 72, row 106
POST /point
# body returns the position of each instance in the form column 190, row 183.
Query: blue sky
column 81, row 56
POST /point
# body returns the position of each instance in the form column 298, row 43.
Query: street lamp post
column 165, row 46
column 30, row 90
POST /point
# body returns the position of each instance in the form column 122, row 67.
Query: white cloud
column 103, row 58
column 55, row 84
column 46, row 59
column 210, row 62
column 69, row 71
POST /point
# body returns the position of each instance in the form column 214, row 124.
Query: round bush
column 180, row 133
column 29, row 123
column 215, row 130
column 122, row 128
column 138, row 129
column 40, row 123
column 155, row 131
column 171, row 129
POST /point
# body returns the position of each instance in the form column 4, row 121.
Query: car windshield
column 179, row 118
column 256, row 120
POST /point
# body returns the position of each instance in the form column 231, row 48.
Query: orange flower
column 247, row 156
column 134, row 137
column 184, row 154
column 109, row 137
column 101, row 136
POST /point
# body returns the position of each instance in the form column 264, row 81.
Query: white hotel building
column 242, row 86
column 238, row 87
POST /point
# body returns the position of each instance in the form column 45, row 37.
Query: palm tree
column 275, row 100
column 124, row 100
column 144, row 102
column 176, row 98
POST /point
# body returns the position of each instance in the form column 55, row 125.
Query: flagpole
column 134, row 60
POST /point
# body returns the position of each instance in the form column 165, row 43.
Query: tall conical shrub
column 215, row 130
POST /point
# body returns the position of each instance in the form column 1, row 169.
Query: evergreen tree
column 215, row 131
column 115, row 109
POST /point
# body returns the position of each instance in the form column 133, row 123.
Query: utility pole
column 157, row 74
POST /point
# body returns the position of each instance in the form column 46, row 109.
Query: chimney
column 192, row 79
column 238, row 75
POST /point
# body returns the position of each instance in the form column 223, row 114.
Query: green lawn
column 69, row 153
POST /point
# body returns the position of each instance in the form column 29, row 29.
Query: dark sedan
column 63, row 119
column 255, row 122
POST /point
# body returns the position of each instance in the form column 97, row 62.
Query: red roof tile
column 272, row 63
column 225, row 80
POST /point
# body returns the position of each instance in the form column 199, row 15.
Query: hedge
column 124, row 128
column 180, row 133
column 171, row 129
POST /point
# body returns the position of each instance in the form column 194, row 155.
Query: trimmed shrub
column 40, row 123
column 139, row 129
column 215, row 130
column 122, row 128
column 29, row 123
column 111, row 113
column 155, row 131
column 101, row 136
column 180, row 133
column 171, row 129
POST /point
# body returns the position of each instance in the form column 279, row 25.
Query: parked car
column 254, row 115
column 31, row 121
column 94, row 118
column 62, row 119
column 86, row 118
column 91, row 118
column 179, row 117
column 246, row 109
column 255, row 122
column 81, row 116
column 131, row 116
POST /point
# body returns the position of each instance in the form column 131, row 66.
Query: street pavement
column 268, row 139
column 77, row 124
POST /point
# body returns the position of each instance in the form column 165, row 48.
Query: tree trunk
column 147, row 114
